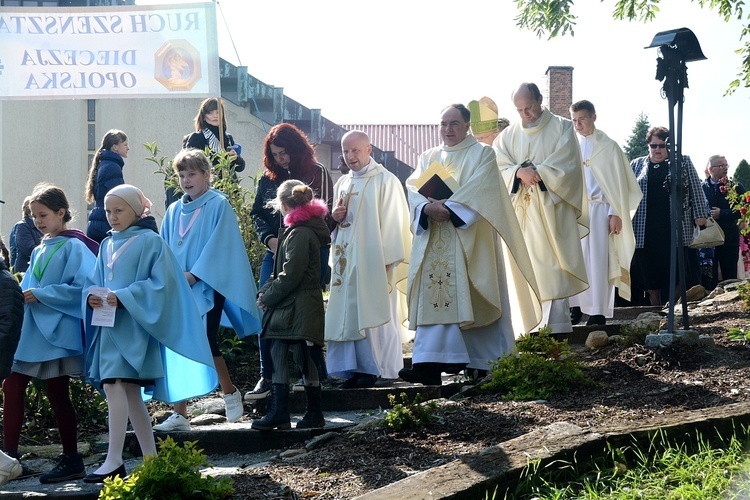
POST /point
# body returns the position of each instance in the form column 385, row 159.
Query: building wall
column 48, row 141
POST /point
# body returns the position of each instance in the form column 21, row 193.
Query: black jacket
column 727, row 217
column 11, row 319
column 23, row 238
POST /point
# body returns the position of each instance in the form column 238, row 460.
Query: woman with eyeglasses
column 651, row 224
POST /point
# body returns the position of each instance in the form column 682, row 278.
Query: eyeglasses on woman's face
column 658, row 146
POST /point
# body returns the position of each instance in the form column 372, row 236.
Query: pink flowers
column 723, row 188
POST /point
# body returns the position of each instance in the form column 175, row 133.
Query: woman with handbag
column 293, row 303
column 652, row 221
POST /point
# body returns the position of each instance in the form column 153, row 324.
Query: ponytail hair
column 111, row 138
column 292, row 194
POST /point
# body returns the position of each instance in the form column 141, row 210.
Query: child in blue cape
column 157, row 344
column 293, row 303
column 201, row 229
column 51, row 344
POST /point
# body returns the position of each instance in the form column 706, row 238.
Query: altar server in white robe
column 471, row 287
column 370, row 249
column 541, row 167
column 612, row 194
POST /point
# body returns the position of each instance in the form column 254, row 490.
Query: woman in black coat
column 23, row 238
column 105, row 173
column 208, row 135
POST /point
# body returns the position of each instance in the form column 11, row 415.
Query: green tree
column 742, row 174
column 636, row 144
column 554, row 17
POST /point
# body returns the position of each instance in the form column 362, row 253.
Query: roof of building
column 407, row 141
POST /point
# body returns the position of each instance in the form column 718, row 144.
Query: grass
column 697, row 470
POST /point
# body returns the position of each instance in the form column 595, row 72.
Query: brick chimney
column 560, row 89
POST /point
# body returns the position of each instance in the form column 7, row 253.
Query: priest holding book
column 471, row 288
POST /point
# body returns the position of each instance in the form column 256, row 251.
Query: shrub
column 173, row 474
column 539, row 367
column 743, row 289
column 738, row 334
column 406, row 415
column 634, row 335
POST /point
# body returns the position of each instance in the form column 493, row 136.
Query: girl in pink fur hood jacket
column 292, row 302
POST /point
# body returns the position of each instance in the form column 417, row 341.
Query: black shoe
column 366, row 380
column 575, row 315
column 596, row 319
column 351, row 383
column 417, row 376
column 69, row 466
column 99, row 478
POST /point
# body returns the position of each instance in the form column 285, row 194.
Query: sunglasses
column 657, row 146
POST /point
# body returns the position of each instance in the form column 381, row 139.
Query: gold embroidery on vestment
column 339, row 264
column 439, row 272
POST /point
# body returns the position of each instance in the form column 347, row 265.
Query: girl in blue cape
column 201, row 229
column 157, row 342
column 51, row 344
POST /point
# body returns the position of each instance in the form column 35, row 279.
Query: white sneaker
column 10, row 468
column 175, row 422
column 233, row 403
column 299, row 386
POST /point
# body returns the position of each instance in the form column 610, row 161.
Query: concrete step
column 372, row 398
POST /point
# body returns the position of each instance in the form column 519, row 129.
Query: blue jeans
column 264, row 346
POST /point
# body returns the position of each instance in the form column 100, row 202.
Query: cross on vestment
column 345, row 202
column 348, row 197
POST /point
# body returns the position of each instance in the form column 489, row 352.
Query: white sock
column 141, row 420
column 117, row 402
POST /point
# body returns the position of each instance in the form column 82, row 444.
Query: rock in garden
column 597, row 339
column 207, row 419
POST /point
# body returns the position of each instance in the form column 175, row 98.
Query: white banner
column 115, row 52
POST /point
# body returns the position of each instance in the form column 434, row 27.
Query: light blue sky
column 401, row 61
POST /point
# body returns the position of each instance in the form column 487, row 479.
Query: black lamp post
column 676, row 47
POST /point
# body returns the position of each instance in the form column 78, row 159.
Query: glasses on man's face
column 720, row 166
column 658, row 146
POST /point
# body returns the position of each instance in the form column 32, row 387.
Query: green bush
column 540, row 366
column 173, row 474
column 409, row 415
column 738, row 334
column 744, row 291
column 632, row 335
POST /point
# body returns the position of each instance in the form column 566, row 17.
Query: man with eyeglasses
column 652, row 221
column 727, row 255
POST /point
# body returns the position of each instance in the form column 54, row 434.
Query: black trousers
column 726, row 258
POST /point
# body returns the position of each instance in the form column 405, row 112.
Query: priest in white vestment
column 612, row 194
column 471, row 287
column 366, row 314
column 541, row 167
